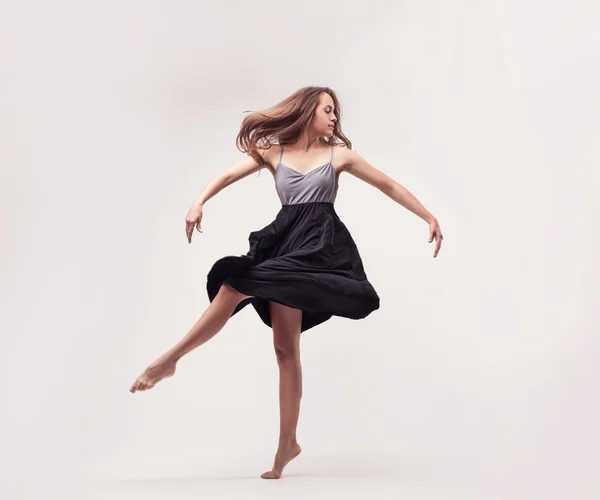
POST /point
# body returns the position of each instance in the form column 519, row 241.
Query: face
column 324, row 118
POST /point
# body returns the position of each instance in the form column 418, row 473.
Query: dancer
column 302, row 268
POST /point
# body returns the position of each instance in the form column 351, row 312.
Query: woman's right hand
column 193, row 218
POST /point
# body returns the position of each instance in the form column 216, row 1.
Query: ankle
column 172, row 358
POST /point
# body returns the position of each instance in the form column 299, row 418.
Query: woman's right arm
column 240, row 169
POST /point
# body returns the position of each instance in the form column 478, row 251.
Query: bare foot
column 153, row 374
column 285, row 453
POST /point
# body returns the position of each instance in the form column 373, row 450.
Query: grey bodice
column 317, row 185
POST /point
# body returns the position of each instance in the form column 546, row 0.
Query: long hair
column 286, row 121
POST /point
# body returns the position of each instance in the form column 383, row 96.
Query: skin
column 303, row 155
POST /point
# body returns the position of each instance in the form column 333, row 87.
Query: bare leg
column 210, row 323
column 286, row 323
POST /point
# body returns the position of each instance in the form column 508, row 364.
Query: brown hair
column 286, row 121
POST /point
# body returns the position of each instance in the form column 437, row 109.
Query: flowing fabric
column 305, row 259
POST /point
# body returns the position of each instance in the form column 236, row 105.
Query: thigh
column 231, row 293
column 285, row 322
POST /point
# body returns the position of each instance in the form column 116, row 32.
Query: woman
column 304, row 267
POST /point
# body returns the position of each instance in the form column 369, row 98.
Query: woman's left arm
column 357, row 166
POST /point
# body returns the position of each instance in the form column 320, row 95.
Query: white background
column 478, row 376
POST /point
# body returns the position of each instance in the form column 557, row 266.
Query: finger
column 198, row 226
column 438, row 245
column 433, row 234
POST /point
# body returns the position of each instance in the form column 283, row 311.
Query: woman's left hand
column 435, row 232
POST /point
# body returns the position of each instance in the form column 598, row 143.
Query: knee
column 287, row 353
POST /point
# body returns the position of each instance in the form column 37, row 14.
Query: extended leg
column 210, row 323
column 286, row 322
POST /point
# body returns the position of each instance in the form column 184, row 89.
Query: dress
column 306, row 258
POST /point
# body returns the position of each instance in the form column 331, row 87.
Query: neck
column 305, row 142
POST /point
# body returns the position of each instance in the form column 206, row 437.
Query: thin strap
column 281, row 155
column 331, row 159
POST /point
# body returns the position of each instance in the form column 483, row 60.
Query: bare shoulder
column 270, row 155
column 342, row 157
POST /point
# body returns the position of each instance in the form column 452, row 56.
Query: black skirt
column 305, row 259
